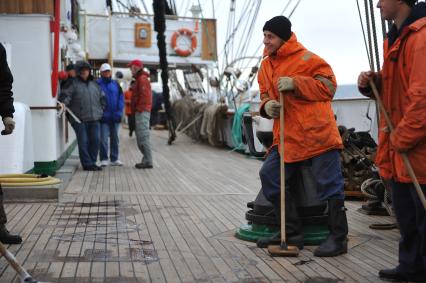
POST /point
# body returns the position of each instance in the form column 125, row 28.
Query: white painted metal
column 123, row 47
column 352, row 113
column 16, row 150
column 31, row 44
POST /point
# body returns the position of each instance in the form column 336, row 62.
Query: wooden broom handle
column 282, row 170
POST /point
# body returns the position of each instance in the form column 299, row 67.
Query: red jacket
column 403, row 91
column 128, row 101
column 142, row 94
column 310, row 127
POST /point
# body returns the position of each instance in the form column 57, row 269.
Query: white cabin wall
column 32, row 47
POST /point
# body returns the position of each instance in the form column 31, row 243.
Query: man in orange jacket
column 306, row 84
column 402, row 82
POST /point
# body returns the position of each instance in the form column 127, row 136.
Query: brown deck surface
column 174, row 223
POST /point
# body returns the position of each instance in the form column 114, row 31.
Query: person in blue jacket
column 111, row 118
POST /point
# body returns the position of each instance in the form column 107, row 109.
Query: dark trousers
column 411, row 218
column 3, row 218
column 88, row 139
column 132, row 123
column 326, row 169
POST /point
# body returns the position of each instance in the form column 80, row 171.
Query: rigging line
column 174, row 7
column 246, row 25
column 247, row 37
column 228, row 35
column 251, row 28
column 144, row 6
column 376, row 49
column 376, row 45
column 294, row 9
column 244, row 53
column 363, row 32
column 370, row 46
column 209, row 43
column 230, row 39
column 187, row 7
column 245, row 31
column 227, row 32
column 234, row 27
column 261, row 43
column 182, row 4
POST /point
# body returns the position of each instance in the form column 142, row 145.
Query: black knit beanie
column 279, row 25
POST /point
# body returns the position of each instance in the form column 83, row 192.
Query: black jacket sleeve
column 6, row 80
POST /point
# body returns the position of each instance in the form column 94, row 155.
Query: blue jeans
column 88, row 138
column 411, row 218
column 142, row 136
column 326, row 169
column 109, row 131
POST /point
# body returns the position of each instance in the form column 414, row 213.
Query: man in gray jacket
column 86, row 100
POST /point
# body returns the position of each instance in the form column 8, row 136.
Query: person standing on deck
column 70, row 74
column 128, row 108
column 307, row 85
column 6, row 113
column 111, row 119
column 402, row 85
column 87, row 101
column 141, row 106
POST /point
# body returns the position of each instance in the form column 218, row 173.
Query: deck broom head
column 283, row 250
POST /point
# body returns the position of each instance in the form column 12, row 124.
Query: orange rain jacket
column 128, row 101
column 403, row 90
column 310, row 126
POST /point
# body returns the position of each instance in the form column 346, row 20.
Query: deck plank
column 174, row 223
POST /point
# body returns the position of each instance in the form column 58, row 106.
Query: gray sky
column 329, row 28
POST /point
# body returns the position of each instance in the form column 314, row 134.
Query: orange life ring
column 188, row 33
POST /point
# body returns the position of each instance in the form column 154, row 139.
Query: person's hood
column 417, row 12
column 80, row 65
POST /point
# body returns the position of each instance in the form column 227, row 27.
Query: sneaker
column 116, row 163
column 104, row 163
column 91, row 168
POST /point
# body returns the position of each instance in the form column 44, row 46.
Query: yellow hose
column 27, row 180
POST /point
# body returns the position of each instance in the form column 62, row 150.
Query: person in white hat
column 111, row 118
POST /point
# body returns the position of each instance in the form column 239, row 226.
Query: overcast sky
column 329, row 28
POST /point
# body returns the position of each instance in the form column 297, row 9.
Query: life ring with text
column 184, row 32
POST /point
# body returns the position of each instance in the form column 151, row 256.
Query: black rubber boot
column 337, row 241
column 395, row 275
column 294, row 229
column 7, row 238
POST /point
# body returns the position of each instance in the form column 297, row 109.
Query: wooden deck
column 174, row 223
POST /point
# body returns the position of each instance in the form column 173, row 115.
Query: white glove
column 9, row 125
column 285, row 84
column 272, row 109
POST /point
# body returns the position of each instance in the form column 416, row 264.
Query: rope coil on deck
column 27, row 180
